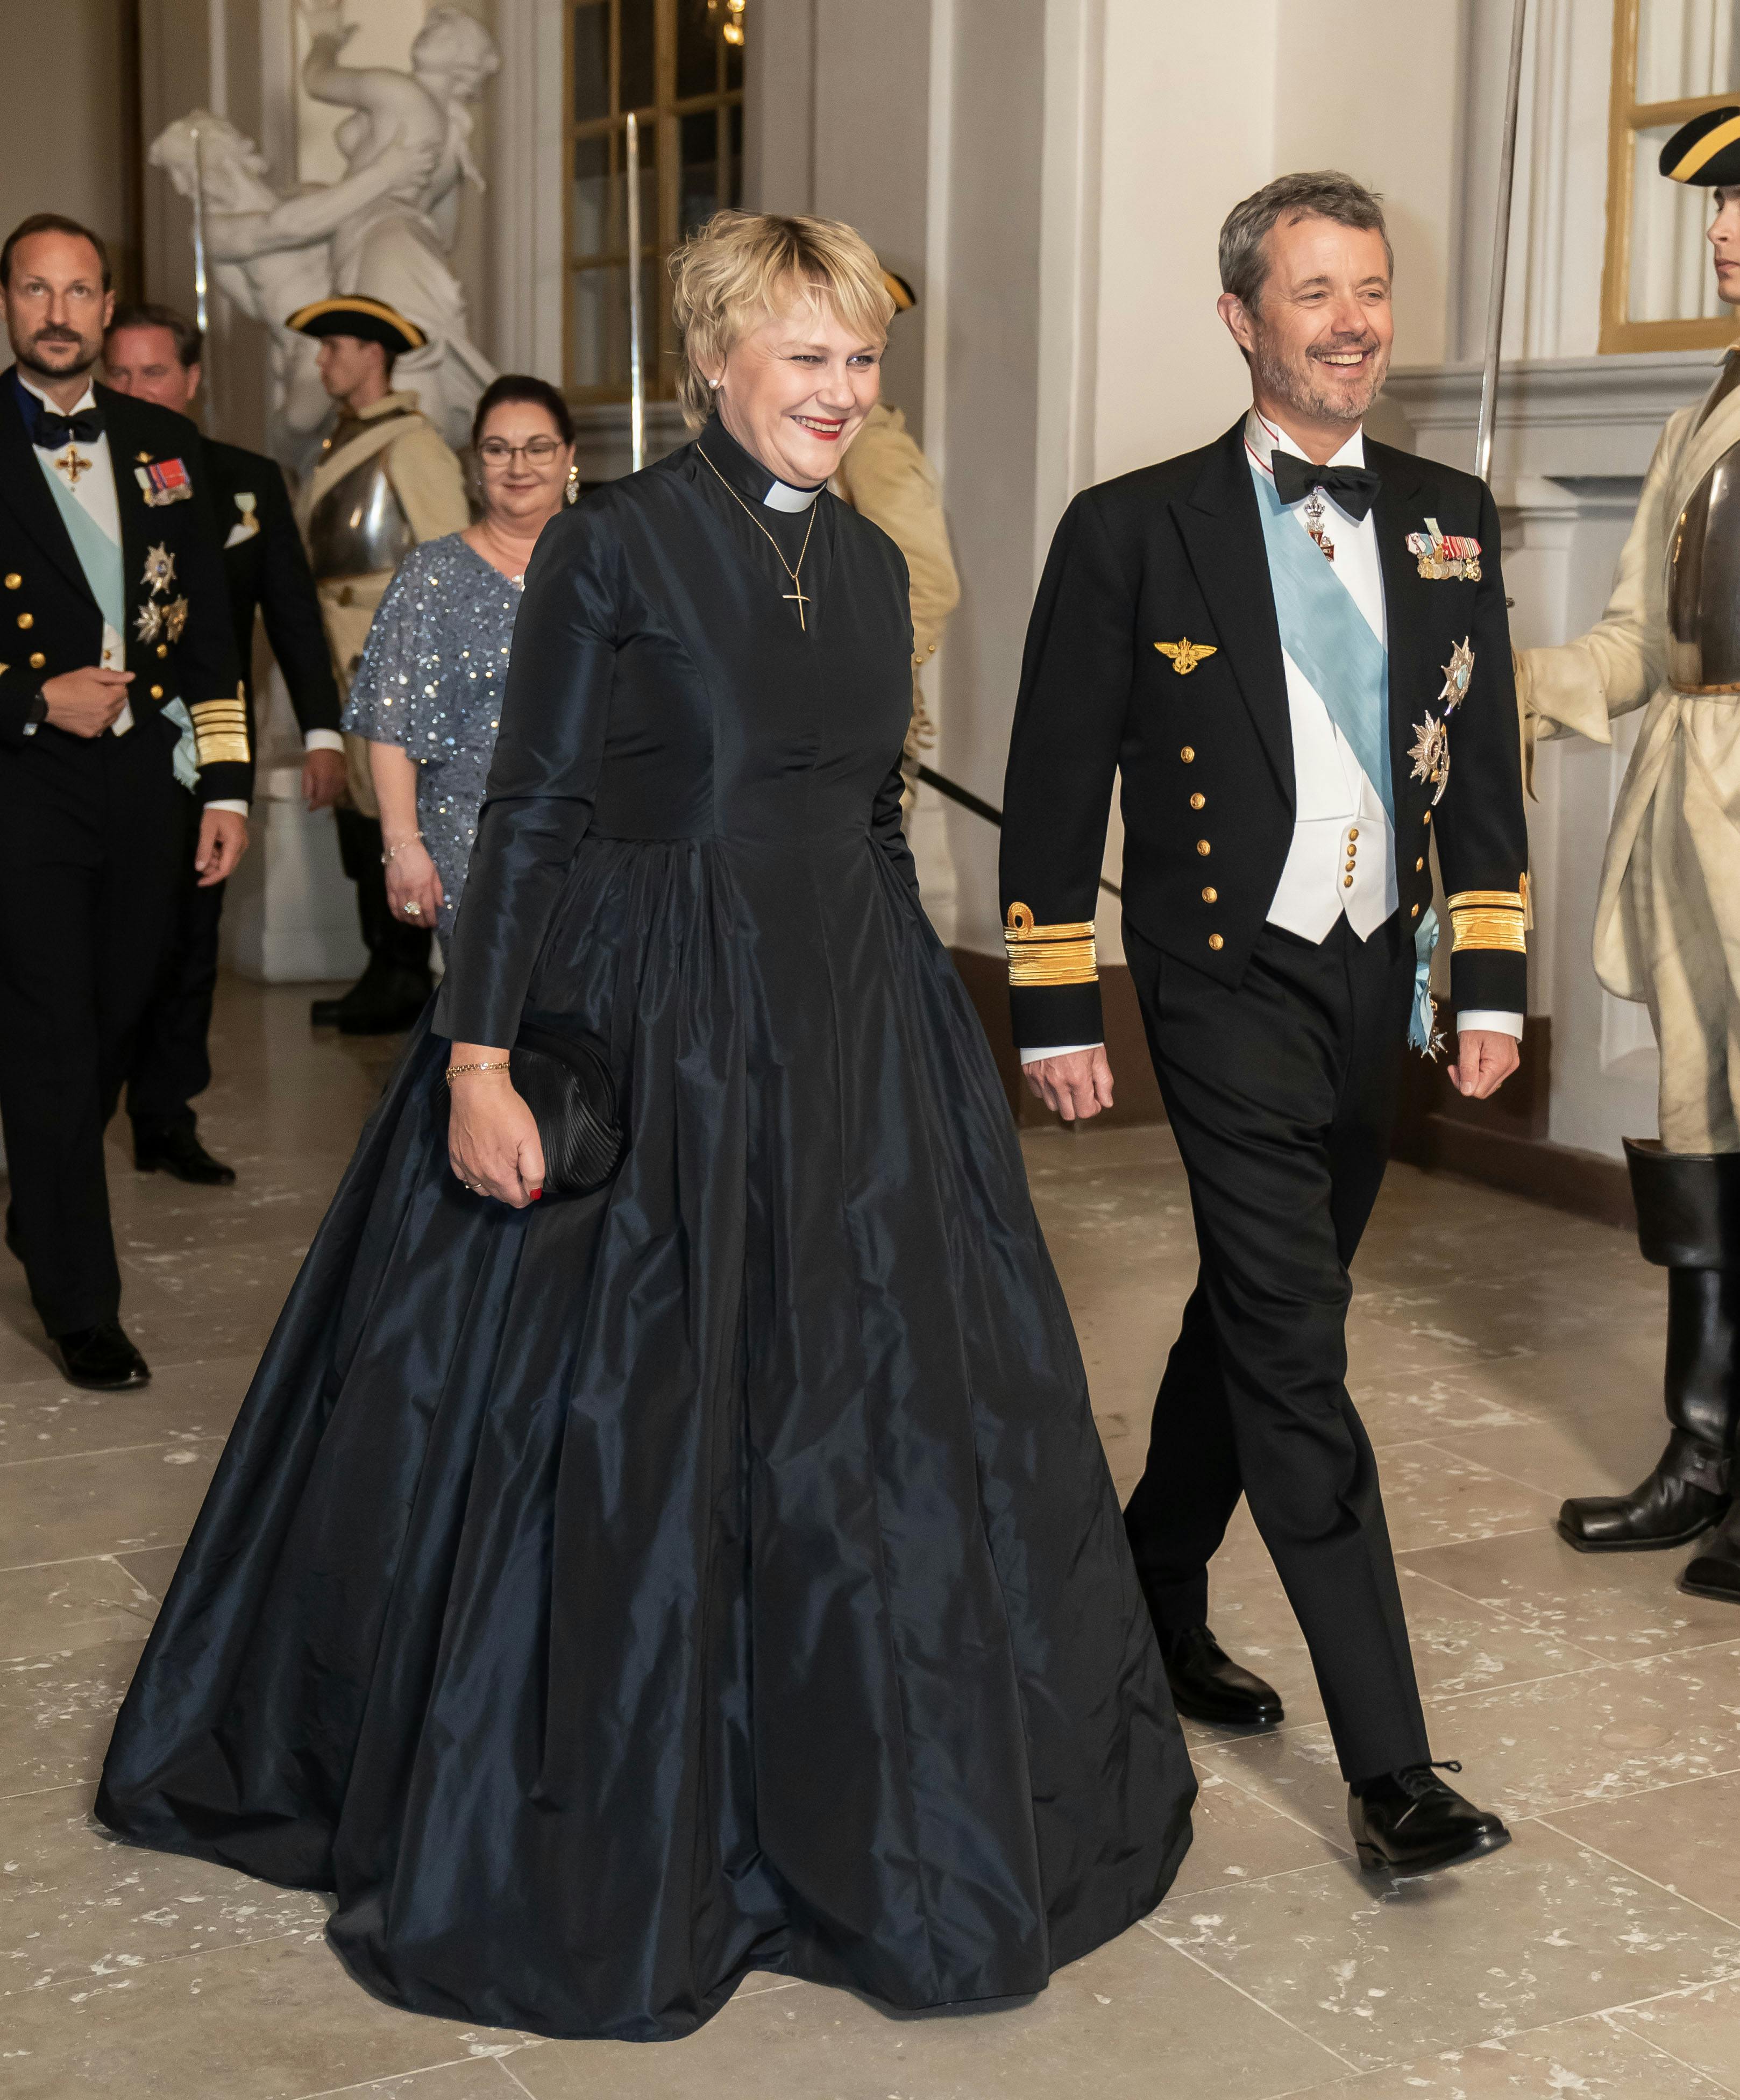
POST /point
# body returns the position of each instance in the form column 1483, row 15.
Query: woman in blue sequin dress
column 427, row 694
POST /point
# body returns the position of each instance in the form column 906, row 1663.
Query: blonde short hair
column 743, row 266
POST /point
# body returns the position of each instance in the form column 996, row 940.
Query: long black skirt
column 721, row 1572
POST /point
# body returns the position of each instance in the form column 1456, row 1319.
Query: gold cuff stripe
column 221, row 750
column 1060, row 954
column 1490, row 918
column 220, row 733
column 1697, row 156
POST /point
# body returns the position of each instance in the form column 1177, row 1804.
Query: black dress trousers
column 1281, row 1094
column 93, row 836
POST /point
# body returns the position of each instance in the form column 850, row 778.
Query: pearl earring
column 716, row 384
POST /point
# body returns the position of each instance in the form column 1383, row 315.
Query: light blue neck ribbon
column 1330, row 639
column 99, row 556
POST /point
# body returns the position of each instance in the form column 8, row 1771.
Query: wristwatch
column 38, row 713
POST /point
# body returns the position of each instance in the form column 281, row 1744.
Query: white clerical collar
column 87, row 400
column 782, row 496
column 1263, row 438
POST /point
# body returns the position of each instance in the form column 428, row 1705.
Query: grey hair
column 1323, row 193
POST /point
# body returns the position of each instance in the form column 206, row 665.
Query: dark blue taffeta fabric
column 606, row 1599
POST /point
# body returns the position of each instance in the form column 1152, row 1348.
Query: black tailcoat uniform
column 95, row 833
column 266, row 571
column 1277, row 1060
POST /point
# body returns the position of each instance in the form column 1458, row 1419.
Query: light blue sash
column 97, row 555
column 1328, row 638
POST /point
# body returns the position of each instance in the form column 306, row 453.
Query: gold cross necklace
column 796, row 591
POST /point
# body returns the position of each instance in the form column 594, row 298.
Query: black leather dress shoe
column 179, row 1152
column 1410, row 1822
column 1715, row 1571
column 385, row 1000
column 1678, row 1502
column 101, row 1358
column 1208, row 1685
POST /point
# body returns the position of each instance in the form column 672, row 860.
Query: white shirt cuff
column 239, row 809
column 1487, row 1017
column 322, row 739
column 1061, row 1050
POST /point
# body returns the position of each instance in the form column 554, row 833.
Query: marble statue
column 386, row 228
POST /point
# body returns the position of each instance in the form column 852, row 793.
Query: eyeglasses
column 538, row 452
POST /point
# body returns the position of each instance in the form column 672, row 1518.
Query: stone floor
column 1502, row 1355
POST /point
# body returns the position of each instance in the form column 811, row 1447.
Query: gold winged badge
column 1186, row 654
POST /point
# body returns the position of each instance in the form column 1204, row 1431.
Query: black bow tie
column 51, row 430
column 1354, row 488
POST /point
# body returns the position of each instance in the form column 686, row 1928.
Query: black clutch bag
column 566, row 1084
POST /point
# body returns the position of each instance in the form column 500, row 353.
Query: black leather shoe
column 385, row 1000
column 1410, row 1822
column 324, row 1012
column 101, row 1358
column 1666, row 1510
column 179, row 1152
column 1208, row 1685
column 1715, row 1571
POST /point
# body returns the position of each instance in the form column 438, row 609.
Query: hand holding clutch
column 492, row 1138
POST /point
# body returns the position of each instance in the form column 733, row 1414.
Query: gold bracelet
column 492, row 1064
column 390, row 853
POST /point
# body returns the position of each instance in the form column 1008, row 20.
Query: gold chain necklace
column 797, row 589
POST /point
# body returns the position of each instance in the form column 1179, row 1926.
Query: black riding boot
column 1688, row 1223
column 391, row 992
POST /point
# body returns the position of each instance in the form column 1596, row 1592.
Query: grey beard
column 1288, row 384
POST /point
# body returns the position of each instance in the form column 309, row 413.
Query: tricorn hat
column 900, row 291
column 371, row 320
column 1707, row 151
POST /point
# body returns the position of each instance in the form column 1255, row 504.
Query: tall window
column 678, row 64
column 1672, row 60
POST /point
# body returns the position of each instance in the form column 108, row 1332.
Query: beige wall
column 66, row 109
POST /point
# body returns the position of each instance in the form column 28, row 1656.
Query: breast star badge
column 1185, row 655
column 160, row 570
column 174, row 618
column 147, row 622
column 1457, row 673
column 1431, row 755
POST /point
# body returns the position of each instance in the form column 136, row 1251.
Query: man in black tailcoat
column 1292, row 644
column 151, row 353
column 123, row 756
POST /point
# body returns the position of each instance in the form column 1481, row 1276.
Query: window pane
column 1671, row 276
column 591, row 60
column 1687, row 48
column 601, row 329
column 590, row 225
column 733, row 188
column 700, row 194
column 696, row 49
column 637, row 20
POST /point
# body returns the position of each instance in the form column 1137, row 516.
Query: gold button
column 37, row 659
column 1347, row 882
column 1418, row 865
column 1353, row 834
column 1414, row 911
column 1196, row 801
column 13, row 580
column 1203, row 848
column 163, row 649
column 156, row 692
column 1211, row 896
column 1188, row 755
column 27, row 620
column 1216, row 942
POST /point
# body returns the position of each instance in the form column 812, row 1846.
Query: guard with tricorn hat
column 1668, row 917
column 386, row 481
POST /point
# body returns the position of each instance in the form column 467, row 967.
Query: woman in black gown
column 607, row 1597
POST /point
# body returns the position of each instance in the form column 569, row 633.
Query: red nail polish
column 537, row 1195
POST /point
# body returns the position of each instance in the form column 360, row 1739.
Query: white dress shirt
column 1342, row 862
column 93, row 489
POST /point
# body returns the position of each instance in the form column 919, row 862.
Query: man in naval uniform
column 151, row 353
column 886, row 479
column 1293, row 644
column 385, row 482
column 123, row 756
column 1667, row 915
